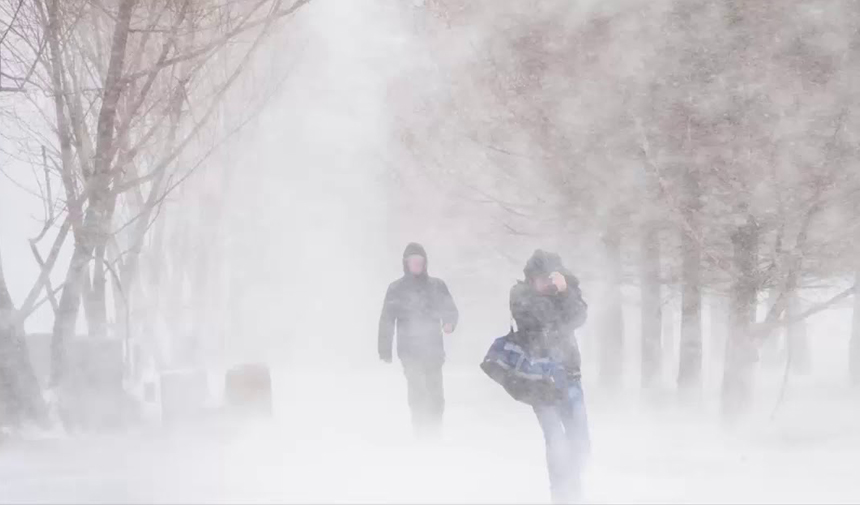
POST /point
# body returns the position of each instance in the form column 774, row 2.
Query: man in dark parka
column 418, row 308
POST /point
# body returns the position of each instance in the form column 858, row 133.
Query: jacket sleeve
column 387, row 323
column 574, row 308
column 526, row 309
column 450, row 314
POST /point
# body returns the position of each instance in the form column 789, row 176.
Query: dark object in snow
column 184, row 394
column 92, row 396
column 248, row 389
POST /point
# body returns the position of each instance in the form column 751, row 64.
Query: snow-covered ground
column 345, row 438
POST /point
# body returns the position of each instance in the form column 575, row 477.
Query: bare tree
column 131, row 94
column 20, row 397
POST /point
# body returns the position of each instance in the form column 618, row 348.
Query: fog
column 484, row 131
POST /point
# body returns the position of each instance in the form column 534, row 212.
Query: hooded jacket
column 416, row 307
column 546, row 321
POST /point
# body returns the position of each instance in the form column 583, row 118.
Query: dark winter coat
column 417, row 307
column 546, row 322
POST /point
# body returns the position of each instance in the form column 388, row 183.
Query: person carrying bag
column 539, row 364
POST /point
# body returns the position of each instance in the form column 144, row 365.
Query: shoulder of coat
column 437, row 282
column 519, row 287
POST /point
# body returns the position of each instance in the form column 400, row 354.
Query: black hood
column 413, row 249
column 543, row 263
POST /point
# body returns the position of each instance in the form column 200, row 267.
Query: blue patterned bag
column 535, row 381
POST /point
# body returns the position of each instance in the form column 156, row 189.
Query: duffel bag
column 534, row 381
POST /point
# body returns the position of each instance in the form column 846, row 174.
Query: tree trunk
column 201, row 293
column 66, row 318
column 773, row 351
column 95, row 226
column 20, row 394
column 130, row 291
column 174, row 285
column 669, row 337
column 797, row 345
column 97, row 317
column 53, row 34
column 152, row 273
column 854, row 353
column 719, row 324
column 612, row 326
column 741, row 354
column 690, row 352
column 121, row 308
column 652, row 363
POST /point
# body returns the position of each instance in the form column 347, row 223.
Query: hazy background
column 380, row 123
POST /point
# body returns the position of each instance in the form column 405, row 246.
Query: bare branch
column 44, row 275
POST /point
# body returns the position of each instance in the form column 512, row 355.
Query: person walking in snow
column 547, row 307
column 419, row 308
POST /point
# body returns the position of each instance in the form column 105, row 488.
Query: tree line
column 706, row 149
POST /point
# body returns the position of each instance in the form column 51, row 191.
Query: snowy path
column 350, row 442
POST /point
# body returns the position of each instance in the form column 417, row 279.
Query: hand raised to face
column 559, row 281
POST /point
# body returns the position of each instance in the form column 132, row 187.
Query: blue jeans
column 565, row 430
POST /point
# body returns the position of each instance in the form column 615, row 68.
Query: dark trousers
column 425, row 395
